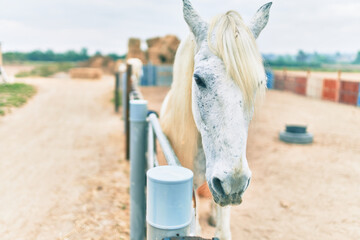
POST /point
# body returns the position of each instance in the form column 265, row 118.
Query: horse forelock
column 232, row 41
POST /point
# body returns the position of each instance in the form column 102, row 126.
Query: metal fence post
column 169, row 205
column 123, row 100
column 126, row 118
column 138, row 131
column 117, row 91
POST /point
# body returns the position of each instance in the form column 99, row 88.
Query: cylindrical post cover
column 169, row 197
column 138, row 110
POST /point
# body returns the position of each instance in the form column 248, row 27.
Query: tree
column 357, row 59
column 301, row 56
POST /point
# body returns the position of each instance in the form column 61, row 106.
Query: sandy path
column 62, row 173
column 297, row 192
column 47, row 149
column 302, row 192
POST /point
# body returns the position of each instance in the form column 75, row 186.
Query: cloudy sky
column 325, row 26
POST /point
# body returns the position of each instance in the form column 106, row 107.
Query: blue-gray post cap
column 138, row 110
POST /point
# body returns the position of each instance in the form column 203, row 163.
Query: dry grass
column 14, row 95
column 45, row 69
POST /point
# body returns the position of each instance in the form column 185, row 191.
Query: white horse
column 218, row 72
column 137, row 73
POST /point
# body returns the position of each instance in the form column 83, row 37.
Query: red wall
column 330, row 90
column 349, row 92
column 300, row 85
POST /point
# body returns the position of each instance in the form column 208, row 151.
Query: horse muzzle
column 228, row 190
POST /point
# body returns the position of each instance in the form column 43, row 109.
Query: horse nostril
column 247, row 184
column 217, row 186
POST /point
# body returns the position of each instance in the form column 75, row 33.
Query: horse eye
column 199, row 81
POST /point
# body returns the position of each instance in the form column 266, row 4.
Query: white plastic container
column 169, row 200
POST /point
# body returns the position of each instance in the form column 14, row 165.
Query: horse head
column 228, row 74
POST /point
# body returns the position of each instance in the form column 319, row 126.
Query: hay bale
column 107, row 64
column 134, row 50
column 134, row 43
column 153, row 41
column 87, row 73
column 162, row 50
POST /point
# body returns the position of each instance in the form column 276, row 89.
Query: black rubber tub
column 295, row 129
column 296, row 134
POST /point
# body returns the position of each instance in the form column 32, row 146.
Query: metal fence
column 330, row 86
column 156, row 75
column 269, row 79
column 144, row 128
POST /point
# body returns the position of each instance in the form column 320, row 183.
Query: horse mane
column 232, row 41
column 176, row 118
column 236, row 46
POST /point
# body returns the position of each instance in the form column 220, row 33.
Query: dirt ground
column 63, row 174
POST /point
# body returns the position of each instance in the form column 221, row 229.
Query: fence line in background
column 335, row 89
column 117, row 91
column 154, row 75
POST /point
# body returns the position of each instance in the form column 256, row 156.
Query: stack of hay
column 162, row 50
column 134, row 50
column 107, row 64
column 88, row 73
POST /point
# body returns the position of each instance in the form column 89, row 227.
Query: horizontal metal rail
column 164, row 142
column 151, row 151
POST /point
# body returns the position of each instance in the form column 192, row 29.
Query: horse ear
column 197, row 26
column 260, row 19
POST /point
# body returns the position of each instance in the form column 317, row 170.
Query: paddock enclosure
column 65, row 162
column 297, row 191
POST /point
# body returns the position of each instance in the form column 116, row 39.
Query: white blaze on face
column 222, row 121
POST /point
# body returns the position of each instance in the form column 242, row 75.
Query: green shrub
column 46, row 70
column 14, row 95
